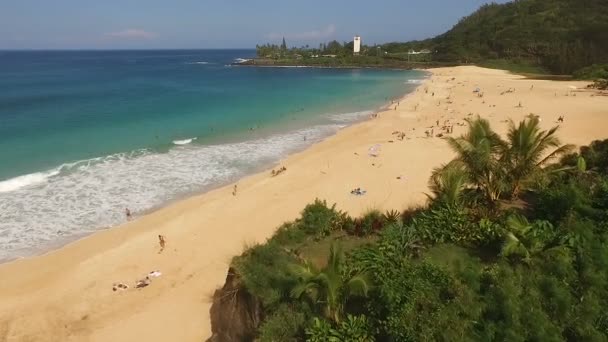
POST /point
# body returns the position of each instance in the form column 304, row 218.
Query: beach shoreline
column 66, row 294
column 51, row 246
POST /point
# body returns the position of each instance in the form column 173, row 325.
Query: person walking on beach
column 234, row 190
column 162, row 242
column 128, row 214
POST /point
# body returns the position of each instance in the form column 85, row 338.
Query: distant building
column 356, row 45
column 421, row 52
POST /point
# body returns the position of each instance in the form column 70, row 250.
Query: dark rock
column 235, row 313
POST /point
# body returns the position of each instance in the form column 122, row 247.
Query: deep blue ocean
column 84, row 134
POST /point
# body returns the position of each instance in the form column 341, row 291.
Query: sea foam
column 350, row 117
column 27, row 180
column 184, row 141
column 414, row 81
column 40, row 210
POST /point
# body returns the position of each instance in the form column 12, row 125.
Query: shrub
column 321, row 330
column 392, row 216
column 265, row 272
column 320, row 220
column 285, row 324
column 289, row 234
column 592, row 72
column 423, row 302
column 558, row 200
column 355, row 329
column 442, row 224
column 371, row 222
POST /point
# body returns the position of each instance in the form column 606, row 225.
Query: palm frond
column 359, row 285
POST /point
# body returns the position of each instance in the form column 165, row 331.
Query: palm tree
column 329, row 287
column 479, row 151
column 526, row 239
column 448, row 184
column 528, row 151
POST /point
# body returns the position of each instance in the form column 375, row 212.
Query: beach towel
column 154, row 274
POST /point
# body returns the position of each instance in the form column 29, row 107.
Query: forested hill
column 561, row 36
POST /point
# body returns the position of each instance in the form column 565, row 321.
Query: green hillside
column 560, row 36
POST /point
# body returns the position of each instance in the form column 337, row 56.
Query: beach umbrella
column 374, row 151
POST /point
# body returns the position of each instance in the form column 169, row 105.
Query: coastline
column 268, row 133
column 66, row 294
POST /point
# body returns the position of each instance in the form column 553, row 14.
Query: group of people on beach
column 146, row 281
column 358, row 192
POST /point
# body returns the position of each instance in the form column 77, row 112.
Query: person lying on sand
column 143, row 282
column 358, row 192
column 119, row 286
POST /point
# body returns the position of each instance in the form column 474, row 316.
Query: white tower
column 356, row 45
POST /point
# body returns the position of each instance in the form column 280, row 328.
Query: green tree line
column 561, row 36
column 553, row 36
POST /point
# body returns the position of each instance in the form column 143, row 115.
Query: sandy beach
column 67, row 295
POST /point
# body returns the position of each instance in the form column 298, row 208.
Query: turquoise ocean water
column 84, row 134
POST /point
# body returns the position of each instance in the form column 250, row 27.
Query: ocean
column 85, row 134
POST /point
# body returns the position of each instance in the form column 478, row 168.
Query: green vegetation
column 336, row 54
column 531, row 36
column 509, row 248
column 523, row 36
column 593, row 72
column 518, row 67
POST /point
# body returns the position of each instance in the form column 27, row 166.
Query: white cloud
column 308, row 35
column 131, row 34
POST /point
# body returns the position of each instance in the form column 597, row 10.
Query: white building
column 356, row 45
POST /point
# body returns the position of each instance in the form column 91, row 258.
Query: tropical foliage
column 468, row 267
column 561, row 36
column 329, row 288
column 527, row 36
column 496, row 168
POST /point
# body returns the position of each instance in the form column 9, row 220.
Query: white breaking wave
column 27, row 180
column 79, row 198
column 350, row 117
column 183, row 142
column 415, row 81
column 201, row 63
column 241, row 60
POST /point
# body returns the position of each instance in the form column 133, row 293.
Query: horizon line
column 120, row 49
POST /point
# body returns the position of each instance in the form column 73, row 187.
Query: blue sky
column 140, row 24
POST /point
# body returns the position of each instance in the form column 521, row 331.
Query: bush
column 442, row 224
column 371, row 222
column 352, row 329
column 595, row 156
column 285, row 324
column 320, row 220
column 423, row 302
column 289, row 234
column 592, row 72
column 265, row 272
column 321, row 330
column 355, row 329
column 557, row 201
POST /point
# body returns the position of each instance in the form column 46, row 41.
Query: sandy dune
column 67, row 295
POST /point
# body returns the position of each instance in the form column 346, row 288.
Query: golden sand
column 66, row 295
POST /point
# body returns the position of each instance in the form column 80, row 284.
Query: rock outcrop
column 235, row 313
